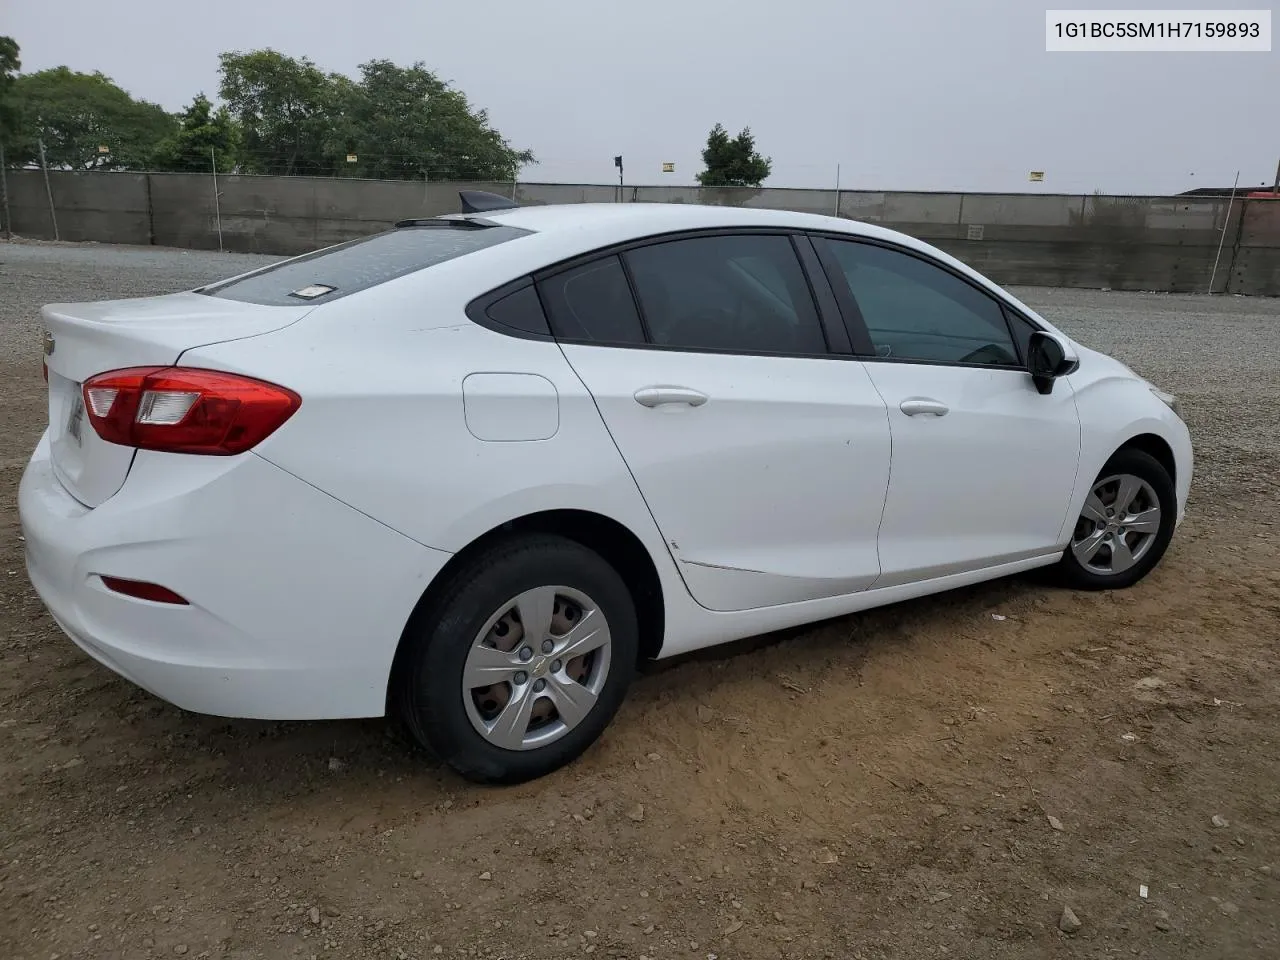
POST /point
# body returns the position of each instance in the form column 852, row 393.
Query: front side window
column 1022, row 331
column 743, row 294
column 917, row 311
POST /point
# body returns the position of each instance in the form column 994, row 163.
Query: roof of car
column 645, row 218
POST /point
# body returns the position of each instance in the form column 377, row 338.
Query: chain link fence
column 1173, row 244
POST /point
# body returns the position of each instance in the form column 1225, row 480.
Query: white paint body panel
column 987, row 482
column 510, row 407
column 297, row 601
column 798, row 492
column 768, row 492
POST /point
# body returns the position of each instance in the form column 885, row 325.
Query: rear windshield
column 359, row 264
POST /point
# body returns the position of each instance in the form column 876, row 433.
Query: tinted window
column 1022, row 330
column 521, row 310
column 593, row 302
column 745, row 293
column 359, row 264
column 917, row 311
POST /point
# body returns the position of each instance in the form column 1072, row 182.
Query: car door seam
column 604, row 422
column 1064, row 531
column 888, row 481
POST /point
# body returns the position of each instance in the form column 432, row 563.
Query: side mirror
column 1051, row 356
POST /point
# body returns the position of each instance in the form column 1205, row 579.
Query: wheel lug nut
column 555, row 666
column 526, row 653
column 547, row 646
column 539, row 686
column 521, row 677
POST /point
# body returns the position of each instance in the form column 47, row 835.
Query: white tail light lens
column 99, row 400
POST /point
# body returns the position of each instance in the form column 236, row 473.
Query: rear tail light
column 186, row 410
column 142, row 590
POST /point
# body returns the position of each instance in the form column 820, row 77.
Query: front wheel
column 522, row 662
column 1125, row 526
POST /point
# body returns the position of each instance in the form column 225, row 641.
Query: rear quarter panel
column 382, row 427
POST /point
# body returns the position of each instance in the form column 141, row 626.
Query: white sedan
column 468, row 471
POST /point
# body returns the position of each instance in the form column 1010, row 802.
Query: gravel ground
column 992, row 773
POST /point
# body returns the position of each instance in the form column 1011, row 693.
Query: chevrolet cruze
column 468, row 471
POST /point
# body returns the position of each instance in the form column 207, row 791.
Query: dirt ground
column 936, row 779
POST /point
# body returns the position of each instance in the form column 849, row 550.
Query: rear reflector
column 186, row 410
column 142, row 590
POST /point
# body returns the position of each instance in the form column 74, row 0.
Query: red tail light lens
column 143, row 590
column 186, row 410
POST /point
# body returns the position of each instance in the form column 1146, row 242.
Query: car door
column 762, row 455
column 983, row 464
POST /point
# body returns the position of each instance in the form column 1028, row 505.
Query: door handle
column 656, row 396
column 919, row 406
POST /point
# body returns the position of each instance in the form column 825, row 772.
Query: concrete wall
column 1122, row 243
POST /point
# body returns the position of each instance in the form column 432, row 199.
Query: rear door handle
column 920, row 406
column 657, row 396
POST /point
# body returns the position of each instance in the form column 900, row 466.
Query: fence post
column 53, row 214
column 1226, row 221
column 217, row 204
column 151, row 212
column 1235, row 244
column 4, row 197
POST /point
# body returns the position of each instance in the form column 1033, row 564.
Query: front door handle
column 920, row 406
column 657, row 396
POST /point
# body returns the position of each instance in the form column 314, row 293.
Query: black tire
column 430, row 700
column 1074, row 574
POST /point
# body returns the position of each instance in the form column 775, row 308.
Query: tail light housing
column 185, row 409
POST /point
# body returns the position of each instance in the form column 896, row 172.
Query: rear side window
column 734, row 293
column 593, row 302
column 520, row 311
column 360, row 264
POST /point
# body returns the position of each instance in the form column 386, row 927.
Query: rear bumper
column 296, row 601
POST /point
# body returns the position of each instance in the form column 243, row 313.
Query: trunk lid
column 85, row 339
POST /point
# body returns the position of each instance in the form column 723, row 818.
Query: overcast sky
column 902, row 94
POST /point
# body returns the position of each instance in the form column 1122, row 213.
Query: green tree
column 284, row 107
column 202, row 132
column 10, row 64
column 409, row 122
column 399, row 122
column 76, row 114
column 733, row 162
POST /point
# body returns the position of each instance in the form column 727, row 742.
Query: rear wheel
column 1125, row 526
column 522, row 662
